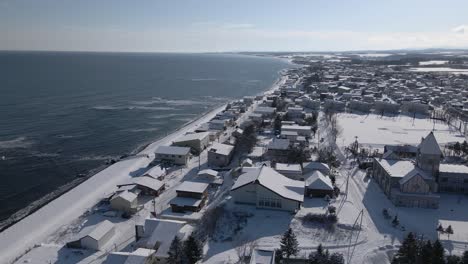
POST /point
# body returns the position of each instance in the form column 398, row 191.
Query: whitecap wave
column 150, row 129
column 203, row 79
column 19, row 142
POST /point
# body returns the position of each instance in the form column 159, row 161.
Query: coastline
column 60, row 210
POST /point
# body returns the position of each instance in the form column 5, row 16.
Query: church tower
column 429, row 155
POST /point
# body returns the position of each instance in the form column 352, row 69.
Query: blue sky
column 221, row 25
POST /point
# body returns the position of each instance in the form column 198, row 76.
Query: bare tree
column 244, row 248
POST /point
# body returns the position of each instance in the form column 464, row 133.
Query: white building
column 125, row 201
column 304, row 131
column 292, row 171
column 176, row 155
column 262, row 256
column 266, row 188
column 219, row 155
column 139, row 256
column 196, row 141
column 96, row 237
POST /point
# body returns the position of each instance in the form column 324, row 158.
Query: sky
column 232, row 25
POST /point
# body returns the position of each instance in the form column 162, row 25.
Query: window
column 180, row 156
column 261, row 203
column 267, row 203
column 465, row 181
column 444, row 179
column 173, row 156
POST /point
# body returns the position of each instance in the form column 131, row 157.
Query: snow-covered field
column 376, row 131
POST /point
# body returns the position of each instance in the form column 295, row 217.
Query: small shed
column 318, row 185
column 125, row 201
column 95, row 237
column 149, row 185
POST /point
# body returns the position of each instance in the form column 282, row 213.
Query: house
column 125, row 201
column 309, row 167
column 318, row 185
column 138, row 256
column 149, row 185
column 96, row 237
column 268, row 189
column 402, row 151
column 292, row 171
column 191, row 196
column 219, row 155
column 304, row 131
column 176, row 155
column 157, row 172
column 157, row 234
column 209, row 176
column 408, row 183
column 262, row 256
column 453, row 178
column 278, row 149
column 196, row 141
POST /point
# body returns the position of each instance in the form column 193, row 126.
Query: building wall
column 196, row 144
column 91, row 243
column 123, row 205
column 428, row 163
column 263, row 194
column 416, row 201
column 453, row 182
column 245, row 194
column 218, row 160
column 415, row 185
column 176, row 159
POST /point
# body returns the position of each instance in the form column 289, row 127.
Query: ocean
column 65, row 115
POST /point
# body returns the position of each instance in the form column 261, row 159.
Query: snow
column 317, row 181
column 100, row 230
column 172, row 150
column 190, row 186
column 377, row 131
column 453, row 168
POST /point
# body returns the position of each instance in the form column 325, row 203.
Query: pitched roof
column 192, row 136
column 317, row 181
column 172, row 150
column 260, row 256
column 396, row 168
column 191, row 186
column 413, row 173
column 453, row 168
column 163, row 232
column 222, row 149
column 126, row 195
column 273, row 181
column 429, row 145
column 100, row 230
column 149, row 182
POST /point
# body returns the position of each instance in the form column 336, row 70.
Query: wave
column 203, row 79
column 186, row 102
column 94, row 157
column 160, row 108
column 19, row 142
column 151, row 129
column 171, row 115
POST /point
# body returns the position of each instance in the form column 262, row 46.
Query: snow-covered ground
column 376, row 130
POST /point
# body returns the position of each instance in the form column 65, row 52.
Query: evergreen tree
column 408, row 250
column 175, row 251
column 453, row 259
column 395, row 221
column 289, row 245
column 440, row 229
column 192, row 250
column 336, row 258
column 464, row 259
column 449, row 231
column 438, row 254
column 425, row 255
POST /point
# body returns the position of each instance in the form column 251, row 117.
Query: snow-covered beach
column 45, row 222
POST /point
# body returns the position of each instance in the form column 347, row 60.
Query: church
column 415, row 183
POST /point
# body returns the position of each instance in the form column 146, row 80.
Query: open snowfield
column 376, row 131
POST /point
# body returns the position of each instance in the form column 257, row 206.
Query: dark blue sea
column 67, row 114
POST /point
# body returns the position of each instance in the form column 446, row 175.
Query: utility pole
column 350, row 253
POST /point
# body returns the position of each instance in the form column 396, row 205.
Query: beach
column 35, row 228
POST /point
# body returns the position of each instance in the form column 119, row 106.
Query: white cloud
column 238, row 26
column 462, row 29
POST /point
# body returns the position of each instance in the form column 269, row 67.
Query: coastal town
column 343, row 159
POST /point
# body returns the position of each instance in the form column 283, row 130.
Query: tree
column 277, row 124
column 192, row 250
column 175, row 251
column 298, row 154
column 408, row 250
column 440, row 229
column 449, row 231
column 464, row 258
column 247, row 140
column 453, row 259
column 336, row 258
column 438, row 253
column 395, row 221
column 289, row 245
column 425, row 254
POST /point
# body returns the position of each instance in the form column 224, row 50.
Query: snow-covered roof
column 163, row 233
column 126, row 195
column 221, row 149
column 156, row 171
column 139, row 256
column 100, row 230
column 272, row 180
column 390, row 155
column 149, row 182
column 317, row 181
column 453, row 168
column 396, row 168
column 191, row 186
column 296, row 127
column 172, row 150
column 429, row 145
column 193, row 136
column 310, row 166
column 413, row 173
column 185, row 201
column 278, row 143
column 208, row 172
column 260, row 256
column 288, row 167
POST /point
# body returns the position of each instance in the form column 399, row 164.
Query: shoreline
column 40, row 222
